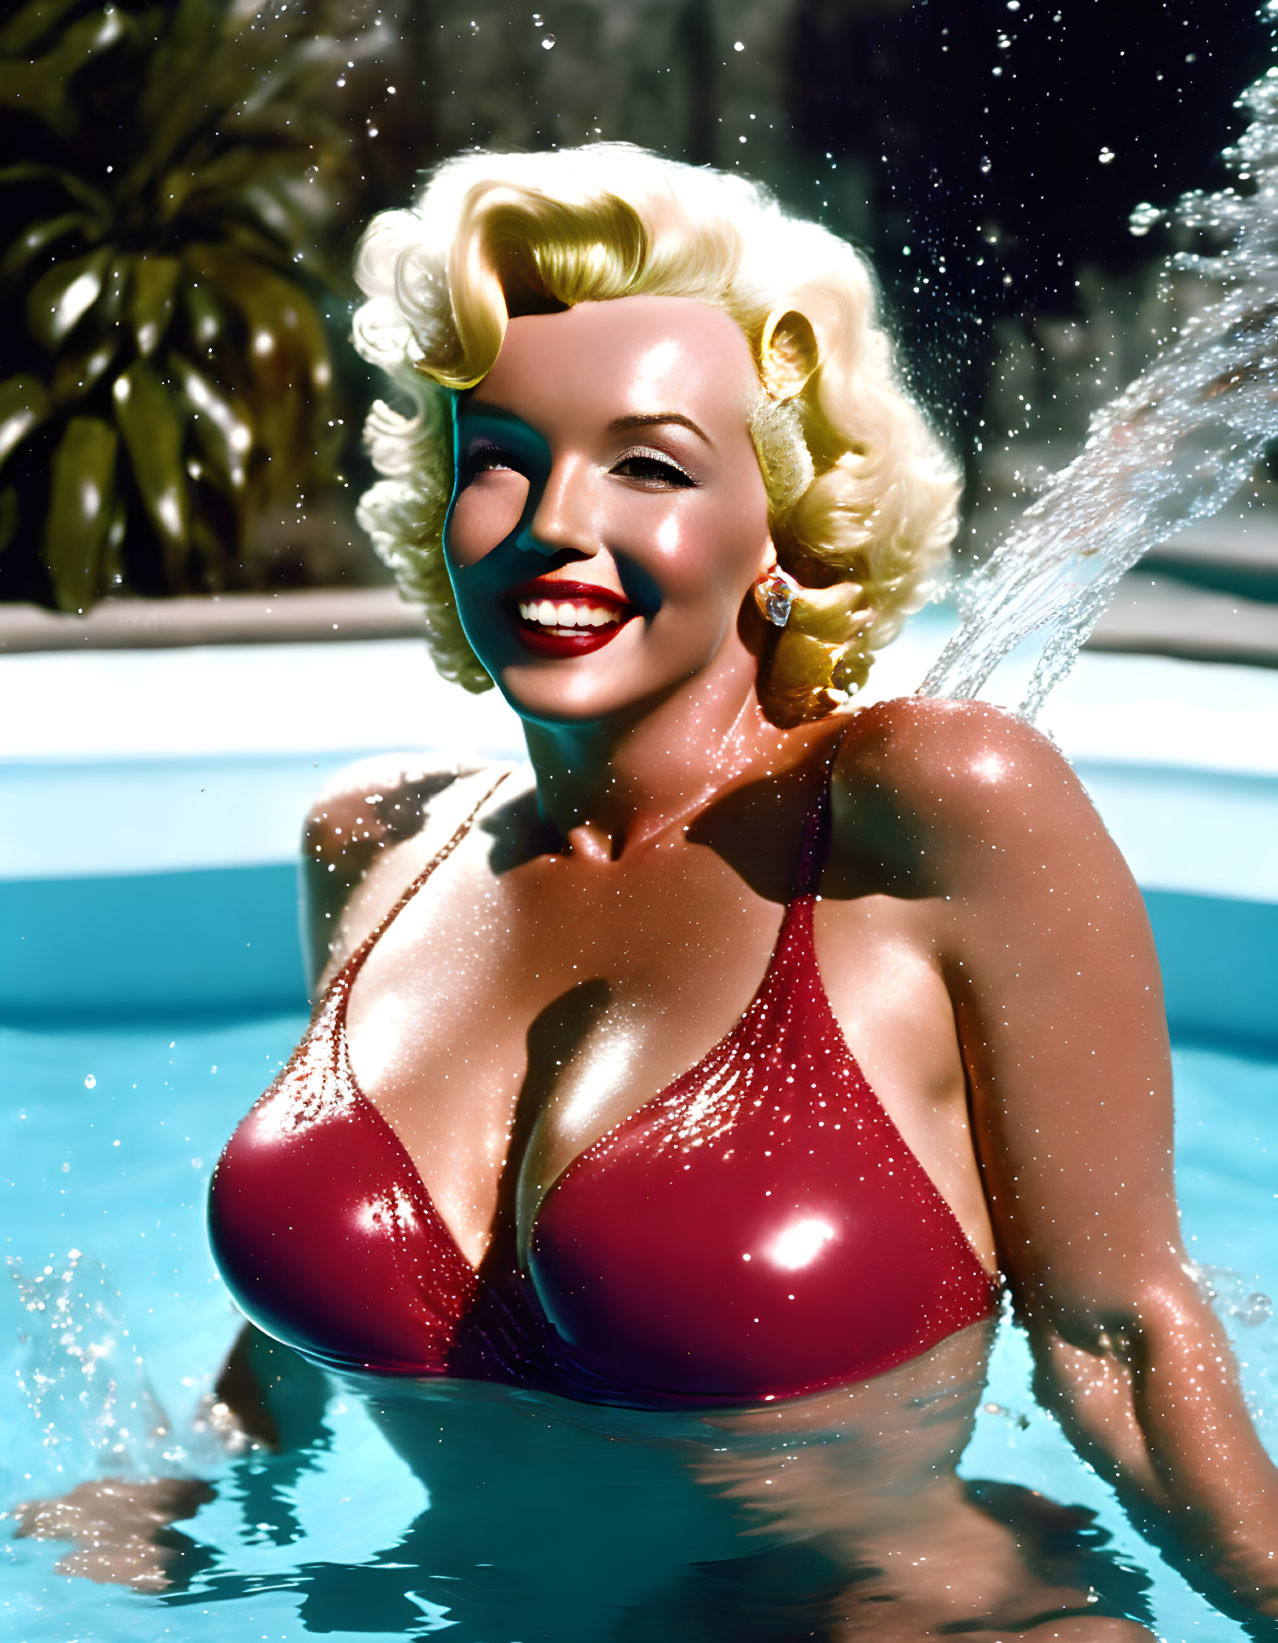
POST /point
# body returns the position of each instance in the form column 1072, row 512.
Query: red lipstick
column 594, row 616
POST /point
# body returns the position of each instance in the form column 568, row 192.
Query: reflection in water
column 836, row 1516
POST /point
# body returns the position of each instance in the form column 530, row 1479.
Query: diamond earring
column 774, row 594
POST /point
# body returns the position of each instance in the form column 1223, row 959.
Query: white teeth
column 549, row 615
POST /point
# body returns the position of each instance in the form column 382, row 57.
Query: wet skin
column 981, row 941
column 982, row 944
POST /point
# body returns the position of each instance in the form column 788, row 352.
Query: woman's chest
column 537, row 1009
column 516, row 1021
column 654, row 1166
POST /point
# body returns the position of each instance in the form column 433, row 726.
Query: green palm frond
column 166, row 372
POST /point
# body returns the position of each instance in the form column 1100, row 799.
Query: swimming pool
column 150, row 985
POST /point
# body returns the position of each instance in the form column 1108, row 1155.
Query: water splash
column 1170, row 450
column 82, row 1378
column 1248, row 1316
column 1236, row 1301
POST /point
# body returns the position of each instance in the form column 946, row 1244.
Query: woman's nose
column 563, row 519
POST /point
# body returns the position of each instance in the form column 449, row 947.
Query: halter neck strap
column 355, row 962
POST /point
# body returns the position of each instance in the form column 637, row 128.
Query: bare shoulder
column 935, row 782
column 952, row 757
column 371, row 805
column 351, row 840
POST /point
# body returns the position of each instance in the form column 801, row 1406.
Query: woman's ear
column 787, row 354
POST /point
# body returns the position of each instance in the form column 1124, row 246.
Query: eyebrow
column 618, row 425
column 625, row 424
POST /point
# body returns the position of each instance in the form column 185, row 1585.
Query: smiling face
column 610, row 517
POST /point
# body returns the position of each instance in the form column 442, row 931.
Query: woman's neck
column 606, row 787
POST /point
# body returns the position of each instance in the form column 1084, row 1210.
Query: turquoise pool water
column 108, row 1146
column 150, row 984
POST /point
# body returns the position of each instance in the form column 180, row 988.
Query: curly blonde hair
column 862, row 499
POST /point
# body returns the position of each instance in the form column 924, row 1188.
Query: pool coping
column 1152, row 614
column 170, row 784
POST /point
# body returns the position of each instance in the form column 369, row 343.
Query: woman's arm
column 1056, row 990
column 267, row 1395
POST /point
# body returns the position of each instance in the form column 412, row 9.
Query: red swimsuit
column 758, row 1229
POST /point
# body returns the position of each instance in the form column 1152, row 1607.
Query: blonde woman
column 706, row 1082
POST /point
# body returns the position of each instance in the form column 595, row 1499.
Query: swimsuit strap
column 814, row 840
column 812, row 848
column 346, row 975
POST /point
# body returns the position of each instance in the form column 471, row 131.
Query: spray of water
column 85, row 1383
column 1170, row 450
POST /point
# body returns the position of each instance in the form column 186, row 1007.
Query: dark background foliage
column 202, row 170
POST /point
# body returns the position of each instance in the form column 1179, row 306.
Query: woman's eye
column 487, row 458
column 652, row 468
